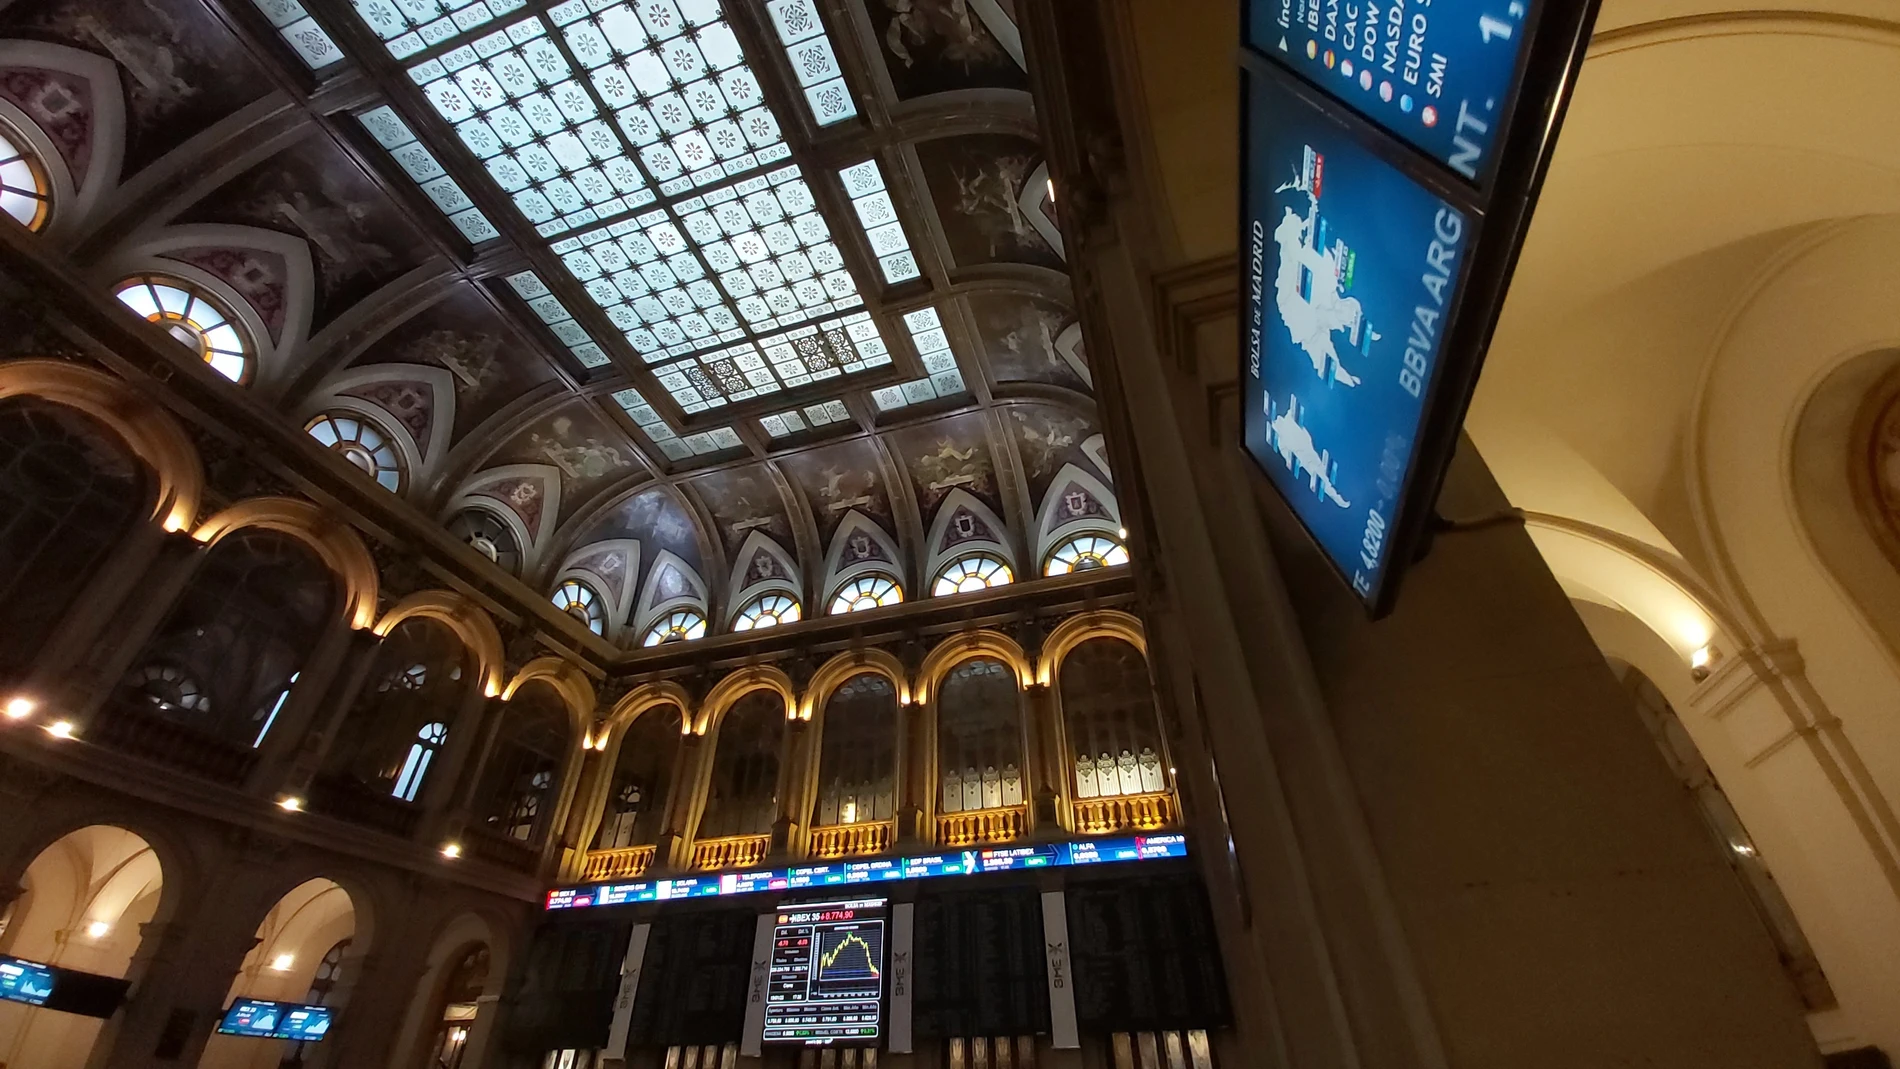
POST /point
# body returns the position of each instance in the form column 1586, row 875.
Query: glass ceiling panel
column 422, row 167
column 781, row 424
column 675, row 447
column 864, row 184
column 301, row 33
column 636, row 139
column 558, row 319
column 933, row 346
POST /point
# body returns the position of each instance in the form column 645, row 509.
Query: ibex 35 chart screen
column 827, row 973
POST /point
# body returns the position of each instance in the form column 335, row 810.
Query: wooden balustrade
column 618, row 864
column 125, row 727
column 347, row 799
column 853, row 840
column 731, row 852
column 497, row 848
column 977, row 827
column 1139, row 812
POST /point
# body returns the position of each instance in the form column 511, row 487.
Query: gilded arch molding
column 147, row 430
column 566, row 679
column 336, row 543
column 737, row 685
column 640, row 699
column 959, row 648
column 468, row 620
column 835, row 672
column 1077, row 629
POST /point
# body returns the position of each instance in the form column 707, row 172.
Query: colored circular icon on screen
column 1429, row 115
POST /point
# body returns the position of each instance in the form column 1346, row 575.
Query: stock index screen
column 827, row 983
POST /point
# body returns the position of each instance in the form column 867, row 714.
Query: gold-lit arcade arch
column 337, row 544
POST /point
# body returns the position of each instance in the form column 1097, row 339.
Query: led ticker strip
column 842, row 873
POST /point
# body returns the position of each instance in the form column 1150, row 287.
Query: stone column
column 305, row 705
column 685, row 794
column 359, row 661
column 794, row 819
column 91, row 681
column 376, row 994
column 449, row 794
column 1047, row 785
column 105, row 596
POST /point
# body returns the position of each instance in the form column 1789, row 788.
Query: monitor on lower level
column 25, row 981
column 827, row 978
column 263, row 1019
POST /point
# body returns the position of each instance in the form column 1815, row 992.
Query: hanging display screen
column 1353, row 274
column 827, row 978
column 1440, row 74
column 847, row 873
column 25, row 981
column 262, row 1019
column 1391, row 155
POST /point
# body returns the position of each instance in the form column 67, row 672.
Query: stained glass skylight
column 813, row 62
column 421, row 165
column 780, row 424
column 301, row 33
column 666, row 438
column 933, row 347
column 411, row 26
column 559, row 320
column 864, row 184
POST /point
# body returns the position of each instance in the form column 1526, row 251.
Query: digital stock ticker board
column 1391, row 156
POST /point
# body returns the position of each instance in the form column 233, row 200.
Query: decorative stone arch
column 653, row 604
column 76, row 198
column 336, row 543
column 159, row 252
column 147, row 430
column 743, row 590
column 857, row 525
column 943, row 545
column 587, row 564
column 421, row 456
column 526, row 497
column 841, row 668
column 647, row 696
column 469, row 621
column 1077, row 629
column 962, row 647
column 179, row 874
column 566, row 679
column 1062, row 515
column 727, row 692
column 456, row 937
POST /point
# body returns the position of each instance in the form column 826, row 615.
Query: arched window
column 1108, row 705
column 979, row 737
column 417, row 687
column 1083, row 552
column 578, row 600
column 25, row 194
column 872, row 591
column 198, row 320
column 69, row 493
column 681, row 625
column 205, row 689
column 522, row 777
column 742, row 798
column 766, row 610
column 429, row 739
column 461, row 1000
column 643, row 773
column 361, row 442
column 857, row 760
column 979, row 571
column 486, row 534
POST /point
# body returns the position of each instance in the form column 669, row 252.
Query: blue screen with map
column 1438, row 73
column 263, row 1019
column 25, row 981
column 1351, row 271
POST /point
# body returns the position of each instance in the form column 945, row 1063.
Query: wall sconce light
column 60, row 729
column 283, row 962
column 290, row 803
column 451, row 850
column 1121, row 533
column 20, row 708
column 1701, row 661
column 97, row 929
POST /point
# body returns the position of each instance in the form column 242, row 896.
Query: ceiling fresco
column 667, row 274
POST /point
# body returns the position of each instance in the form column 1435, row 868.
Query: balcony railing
column 359, row 803
column 125, row 727
column 623, row 863
column 1139, row 812
column 496, row 848
column 731, row 852
column 853, row 840
column 974, row 827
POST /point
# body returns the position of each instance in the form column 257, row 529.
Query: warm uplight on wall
column 1701, row 661
column 1052, row 189
column 1121, row 533
column 282, row 962
column 97, row 929
column 20, row 708
column 494, row 690
column 290, row 803
column 60, row 729
column 451, row 850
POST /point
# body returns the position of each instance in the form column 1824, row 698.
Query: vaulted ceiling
column 676, row 295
